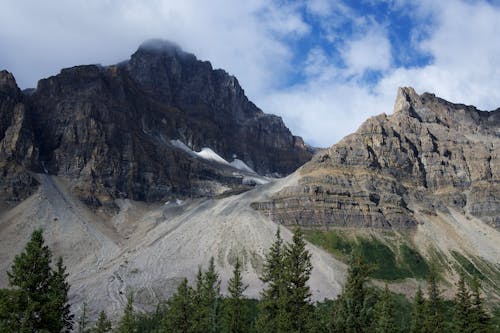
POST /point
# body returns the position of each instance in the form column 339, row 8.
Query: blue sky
column 325, row 66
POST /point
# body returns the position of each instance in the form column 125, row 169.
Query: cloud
column 371, row 51
column 324, row 66
column 38, row 38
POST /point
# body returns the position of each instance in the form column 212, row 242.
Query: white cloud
column 466, row 58
column 253, row 40
column 371, row 51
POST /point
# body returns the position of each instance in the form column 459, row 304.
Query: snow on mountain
column 210, row 155
column 239, row 164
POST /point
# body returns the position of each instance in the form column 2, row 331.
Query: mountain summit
column 429, row 156
column 113, row 132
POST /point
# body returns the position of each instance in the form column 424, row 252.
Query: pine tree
column 210, row 306
column 272, row 276
column 41, row 294
column 126, row 324
column 434, row 320
column 418, row 313
column 236, row 312
column 32, row 275
column 298, row 269
column 179, row 317
column 479, row 319
column 103, row 324
column 60, row 309
column 83, row 320
column 385, row 319
column 462, row 309
column 353, row 313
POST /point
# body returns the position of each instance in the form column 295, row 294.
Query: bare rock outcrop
column 428, row 155
column 109, row 130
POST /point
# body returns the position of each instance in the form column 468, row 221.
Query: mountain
column 429, row 156
column 415, row 189
column 114, row 131
column 140, row 172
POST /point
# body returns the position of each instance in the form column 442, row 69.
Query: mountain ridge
column 108, row 129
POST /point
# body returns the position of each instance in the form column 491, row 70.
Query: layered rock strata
column 428, row 155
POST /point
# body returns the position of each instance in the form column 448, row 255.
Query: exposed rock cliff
column 428, row 155
column 108, row 130
column 17, row 150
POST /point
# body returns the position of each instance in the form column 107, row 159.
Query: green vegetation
column 387, row 264
column 467, row 266
column 37, row 299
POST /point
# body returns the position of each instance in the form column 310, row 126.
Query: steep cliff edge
column 109, row 130
column 428, row 156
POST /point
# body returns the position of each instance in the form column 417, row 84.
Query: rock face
column 108, row 130
column 428, row 155
column 17, row 150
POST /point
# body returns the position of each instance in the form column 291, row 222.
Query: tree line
column 37, row 301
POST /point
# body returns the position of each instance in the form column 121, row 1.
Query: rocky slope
column 430, row 172
column 428, row 157
column 109, row 130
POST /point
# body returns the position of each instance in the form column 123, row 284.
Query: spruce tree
column 236, row 312
column 60, row 309
column 126, row 324
column 434, row 320
column 103, row 324
column 179, row 317
column 210, row 300
column 40, row 294
column 297, row 271
column 418, row 313
column 353, row 313
column 479, row 319
column 272, row 276
column 462, row 309
column 83, row 320
column 385, row 319
column 32, row 275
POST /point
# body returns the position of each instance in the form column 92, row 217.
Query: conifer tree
column 32, row 275
column 353, row 313
column 462, row 309
column 479, row 319
column 434, row 320
column 103, row 324
column 272, row 276
column 83, row 319
column 236, row 312
column 60, row 309
column 126, row 324
column 210, row 300
column 418, row 313
column 385, row 319
column 179, row 317
column 40, row 293
column 297, row 271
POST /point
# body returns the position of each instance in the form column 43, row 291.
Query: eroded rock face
column 108, row 130
column 428, row 155
column 17, row 149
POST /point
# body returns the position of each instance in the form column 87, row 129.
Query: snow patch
column 210, row 155
column 240, row 165
column 252, row 181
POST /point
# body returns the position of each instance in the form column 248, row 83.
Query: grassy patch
column 414, row 262
column 387, row 263
column 335, row 243
column 467, row 265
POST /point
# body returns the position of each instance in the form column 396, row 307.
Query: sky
column 325, row 66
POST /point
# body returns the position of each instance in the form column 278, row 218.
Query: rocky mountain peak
column 109, row 130
column 428, row 155
column 8, row 84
